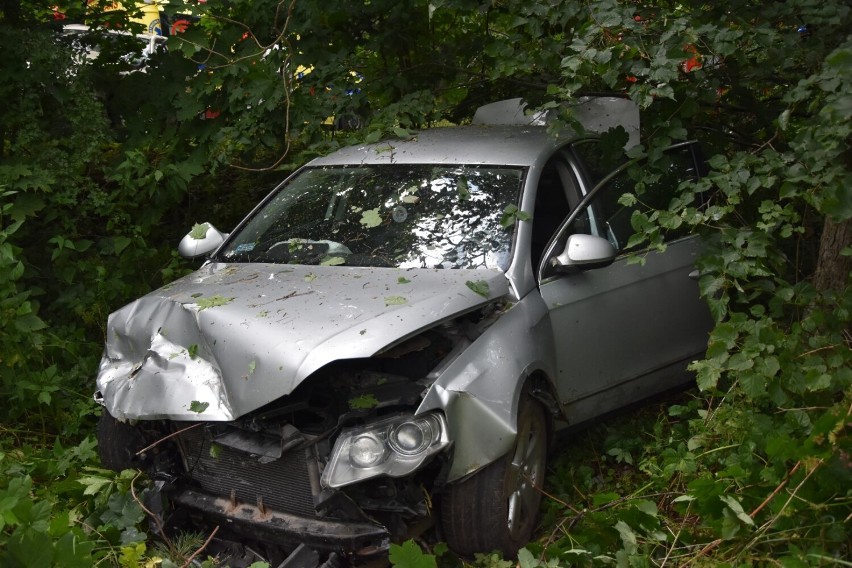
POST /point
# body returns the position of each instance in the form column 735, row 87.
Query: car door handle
column 695, row 274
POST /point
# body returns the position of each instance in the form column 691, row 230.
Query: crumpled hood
column 228, row 339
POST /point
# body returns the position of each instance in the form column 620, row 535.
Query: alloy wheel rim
column 524, row 476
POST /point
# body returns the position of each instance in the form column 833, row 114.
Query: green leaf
column 373, row 137
column 333, row 261
column 371, row 218
column 401, row 132
column 122, row 511
column 363, row 402
column 403, row 280
column 213, row 302
column 511, row 214
column 463, row 188
column 395, row 300
column 73, row 551
column 197, row 406
column 94, row 484
column 627, row 200
column 628, row 537
column 29, row 322
column 409, row 555
column 479, row 287
column 192, row 350
column 199, row 230
column 754, row 384
column 17, row 271
column 737, row 509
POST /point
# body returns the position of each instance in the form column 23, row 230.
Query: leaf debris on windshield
column 371, row 218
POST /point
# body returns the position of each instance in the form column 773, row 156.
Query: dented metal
column 228, row 339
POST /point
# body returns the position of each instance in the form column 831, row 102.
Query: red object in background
column 210, row 114
column 179, row 26
column 693, row 63
column 57, row 15
column 631, row 79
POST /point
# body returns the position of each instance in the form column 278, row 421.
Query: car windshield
column 405, row 216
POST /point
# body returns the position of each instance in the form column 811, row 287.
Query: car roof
column 502, row 133
column 470, row 145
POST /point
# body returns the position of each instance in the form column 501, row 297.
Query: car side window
column 610, row 217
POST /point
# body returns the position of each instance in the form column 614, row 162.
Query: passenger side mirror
column 583, row 252
column 204, row 238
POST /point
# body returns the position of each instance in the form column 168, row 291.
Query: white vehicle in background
column 90, row 40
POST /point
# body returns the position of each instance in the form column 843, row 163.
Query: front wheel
column 497, row 507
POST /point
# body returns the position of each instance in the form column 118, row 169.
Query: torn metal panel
column 267, row 448
column 143, row 368
column 228, row 339
column 479, row 390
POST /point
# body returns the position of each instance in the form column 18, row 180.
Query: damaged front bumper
column 361, row 539
column 265, row 487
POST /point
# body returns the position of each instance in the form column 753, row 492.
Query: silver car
column 389, row 340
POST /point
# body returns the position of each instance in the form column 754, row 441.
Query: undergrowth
column 647, row 488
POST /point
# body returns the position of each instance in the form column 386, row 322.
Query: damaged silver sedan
column 389, row 340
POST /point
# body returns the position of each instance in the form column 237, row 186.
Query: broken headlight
column 394, row 447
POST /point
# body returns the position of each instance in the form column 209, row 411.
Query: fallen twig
column 702, row 552
column 777, row 489
column 164, row 438
column 203, row 546
column 144, row 508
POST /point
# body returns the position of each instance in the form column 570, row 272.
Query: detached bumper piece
column 286, row 530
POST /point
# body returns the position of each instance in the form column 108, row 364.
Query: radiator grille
column 284, row 484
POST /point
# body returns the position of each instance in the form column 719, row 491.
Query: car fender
column 479, row 391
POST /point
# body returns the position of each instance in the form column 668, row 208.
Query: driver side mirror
column 204, row 238
column 583, row 252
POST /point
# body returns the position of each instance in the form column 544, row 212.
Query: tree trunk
column 832, row 270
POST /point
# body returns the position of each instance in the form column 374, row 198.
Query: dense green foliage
column 102, row 170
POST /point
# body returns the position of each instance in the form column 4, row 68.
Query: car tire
column 118, row 443
column 497, row 507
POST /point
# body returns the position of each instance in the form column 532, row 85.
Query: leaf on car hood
column 478, row 286
column 213, row 301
